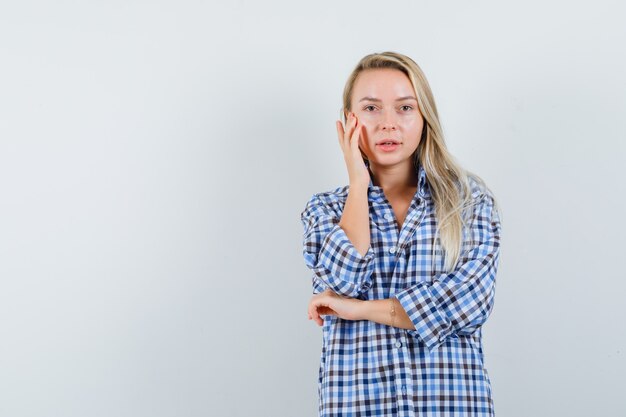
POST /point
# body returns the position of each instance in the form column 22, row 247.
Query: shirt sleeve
column 329, row 253
column 461, row 301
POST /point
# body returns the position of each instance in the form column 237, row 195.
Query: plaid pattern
column 370, row 369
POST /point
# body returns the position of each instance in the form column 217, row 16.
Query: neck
column 396, row 177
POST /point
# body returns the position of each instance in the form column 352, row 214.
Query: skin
column 380, row 110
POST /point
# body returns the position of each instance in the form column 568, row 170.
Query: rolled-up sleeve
column 461, row 301
column 330, row 254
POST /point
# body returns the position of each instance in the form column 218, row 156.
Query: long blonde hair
column 448, row 181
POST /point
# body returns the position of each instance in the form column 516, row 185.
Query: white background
column 155, row 158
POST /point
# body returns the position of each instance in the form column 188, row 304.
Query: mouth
column 388, row 142
column 388, row 145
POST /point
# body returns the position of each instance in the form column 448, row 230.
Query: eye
column 368, row 106
column 409, row 108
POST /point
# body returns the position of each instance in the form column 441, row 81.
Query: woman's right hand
column 349, row 139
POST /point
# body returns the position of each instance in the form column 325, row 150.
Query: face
column 385, row 104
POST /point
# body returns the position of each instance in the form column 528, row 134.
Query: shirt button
column 398, row 344
column 388, row 216
column 403, row 389
column 392, row 250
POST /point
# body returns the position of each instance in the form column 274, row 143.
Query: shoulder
column 478, row 189
column 483, row 200
column 326, row 202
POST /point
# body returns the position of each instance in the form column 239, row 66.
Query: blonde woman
column 404, row 258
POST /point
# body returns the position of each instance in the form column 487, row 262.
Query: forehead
column 382, row 83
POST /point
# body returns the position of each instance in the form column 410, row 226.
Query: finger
column 327, row 311
column 321, row 307
column 310, row 310
column 317, row 318
column 364, row 145
column 314, row 313
column 349, row 129
column 340, row 132
column 356, row 139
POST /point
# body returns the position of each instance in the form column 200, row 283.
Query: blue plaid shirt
column 367, row 368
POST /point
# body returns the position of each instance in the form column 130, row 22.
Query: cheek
column 367, row 120
column 412, row 122
column 364, row 118
column 414, row 125
column 368, row 129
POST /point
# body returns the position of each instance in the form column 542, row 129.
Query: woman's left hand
column 330, row 303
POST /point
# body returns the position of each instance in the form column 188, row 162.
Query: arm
column 355, row 219
column 454, row 303
column 338, row 251
column 328, row 249
column 379, row 311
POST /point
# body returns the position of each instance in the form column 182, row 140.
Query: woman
column 404, row 258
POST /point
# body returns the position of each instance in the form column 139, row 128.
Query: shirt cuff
column 339, row 256
column 431, row 324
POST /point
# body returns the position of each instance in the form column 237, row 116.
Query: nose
column 388, row 121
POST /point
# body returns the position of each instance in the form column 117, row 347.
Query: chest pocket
column 425, row 255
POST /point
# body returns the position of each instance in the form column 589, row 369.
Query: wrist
column 363, row 310
column 359, row 186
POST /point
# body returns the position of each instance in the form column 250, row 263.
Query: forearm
column 379, row 311
column 355, row 219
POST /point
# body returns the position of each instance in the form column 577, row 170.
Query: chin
column 389, row 160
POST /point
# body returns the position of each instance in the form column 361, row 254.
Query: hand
column 330, row 303
column 350, row 139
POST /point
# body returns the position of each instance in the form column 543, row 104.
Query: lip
column 388, row 148
column 396, row 142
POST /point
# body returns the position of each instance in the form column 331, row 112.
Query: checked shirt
column 371, row 369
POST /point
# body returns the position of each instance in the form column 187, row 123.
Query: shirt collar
column 422, row 185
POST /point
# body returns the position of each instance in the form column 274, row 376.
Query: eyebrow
column 379, row 100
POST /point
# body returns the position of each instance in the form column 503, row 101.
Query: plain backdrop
column 155, row 158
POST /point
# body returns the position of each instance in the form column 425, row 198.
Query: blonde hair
column 449, row 182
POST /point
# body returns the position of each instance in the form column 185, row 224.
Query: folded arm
column 330, row 244
column 458, row 302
